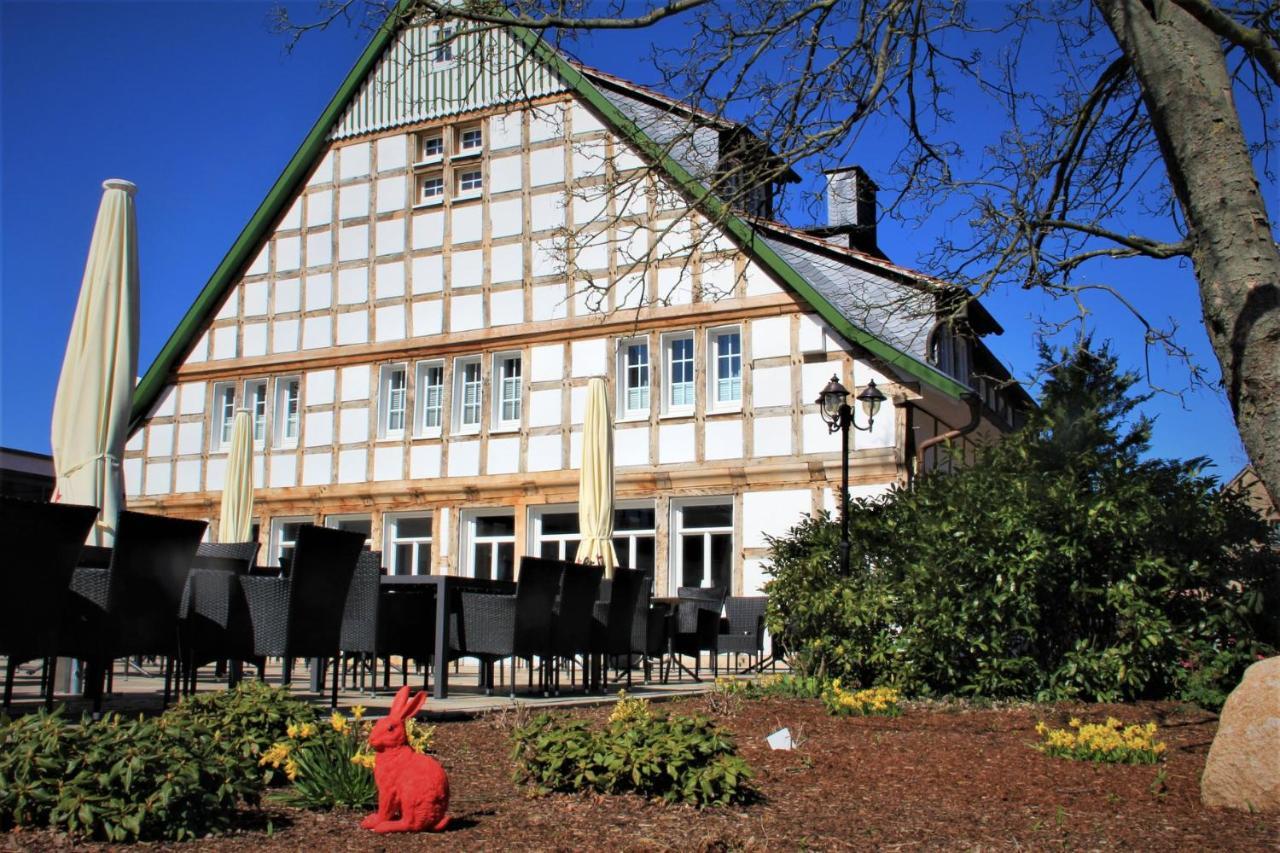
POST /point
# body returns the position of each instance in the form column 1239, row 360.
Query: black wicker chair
column 215, row 624
column 133, row 606
column 407, row 629
column 359, row 639
column 42, row 543
column 697, row 625
column 623, row 599
column 744, row 633
column 571, row 628
column 301, row 615
column 493, row 627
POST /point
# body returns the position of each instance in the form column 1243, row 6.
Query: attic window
column 470, row 140
column 430, row 147
column 442, row 50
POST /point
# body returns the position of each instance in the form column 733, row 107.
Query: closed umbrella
column 595, row 489
column 236, row 520
column 95, row 390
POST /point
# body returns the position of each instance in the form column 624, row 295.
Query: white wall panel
column 675, row 443
column 772, row 436
column 812, row 336
column 723, row 439
column 468, row 269
column 388, row 463
column 224, row 342
column 132, row 477
column 590, row 358
column 546, row 211
column 319, row 391
column 506, row 263
column 288, row 251
column 283, row 473
column 816, row 437
column 584, row 121
column 355, row 383
column 353, row 201
column 544, row 452
column 186, row 476
column 160, row 440
column 466, row 224
column 319, row 208
column 200, row 351
column 317, row 332
column 317, row 469
column 771, row 386
column 428, row 274
column 589, row 157
column 428, row 317
column 464, row 458
column 319, row 429
column 255, row 298
column 424, row 461
column 353, row 426
column 771, row 337
column 319, row 249
column 288, row 295
column 353, row 328
column 503, row 456
column 136, row 441
column 389, row 237
column 157, row 478
column 353, row 243
column 549, row 303
column 353, row 160
column 590, row 204
column 506, row 217
column 351, row 466
column 577, row 405
column 168, row 403
column 284, row 336
column 548, row 257
column 675, row 286
column 389, row 280
column 466, row 312
column 191, row 398
column 504, row 174
column 772, row 513
column 318, row 292
column 544, row 407
column 388, row 323
column 506, row 308
column 631, row 446
column 353, row 286
column 575, row 450
column 393, row 152
column 546, row 122
column 261, row 262
column 215, row 474
column 548, row 362
column 504, row 131
column 391, row 193
column 253, row 340
column 428, row 230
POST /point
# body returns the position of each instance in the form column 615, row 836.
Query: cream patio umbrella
column 236, row 520
column 95, row 390
column 595, row 488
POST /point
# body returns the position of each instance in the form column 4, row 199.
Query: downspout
column 975, row 417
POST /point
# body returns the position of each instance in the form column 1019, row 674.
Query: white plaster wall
column 132, row 477
column 284, row 336
column 190, row 438
column 675, row 444
column 578, row 404
column 317, row 332
column 428, row 230
column 546, row 166
column 549, row 303
column 288, row 253
column 506, row 217
column 353, row 328
column 319, row 249
column 464, row 458
column 424, row 461
column 388, row 463
column 753, row 576
column 545, row 452
column 772, row 513
column 547, row 362
column 467, row 226
column 771, row 386
column 815, row 376
column 353, row 426
column 319, row 388
column 629, row 291
column 428, row 317
column 255, row 298
column 191, row 398
column 224, row 342
column 355, row 383
column 353, row 201
column 504, row 174
column 215, row 474
column 544, row 407
column 675, row 286
column 468, row 269
column 353, row 243
column 353, row 286
column 428, row 274
column 723, row 439
column 389, row 280
column 772, row 436
column 157, row 478
column 319, row 292
column 351, row 466
column 506, row 308
column 261, row 263
column 160, row 440
column 353, row 161
column 771, row 337
column 466, row 312
column 391, row 194
column 503, row 456
column 319, row 429
column 504, row 131
column 546, row 211
column 168, row 403
column 319, row 208
column 393, row 152
column 186, row 476
column 284, row 471
column 506, row 263
column 816, row 437
column 590, row 358
column 389, row 237
column 317, row 469
column 631, row 446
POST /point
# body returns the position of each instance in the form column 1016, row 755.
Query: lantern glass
column 832, row 398
column 871, row 399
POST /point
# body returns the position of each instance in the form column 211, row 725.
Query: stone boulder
column 1243, row 769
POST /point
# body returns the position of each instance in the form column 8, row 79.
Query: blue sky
column 201, row 106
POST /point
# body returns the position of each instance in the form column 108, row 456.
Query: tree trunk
column 1187, row 91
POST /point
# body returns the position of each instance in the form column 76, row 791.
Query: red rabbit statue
column 413, row 789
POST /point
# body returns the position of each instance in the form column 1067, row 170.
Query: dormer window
column 430, row 147
column 442, row 52
column 470, row 141
column 431, row 188
column 469, row 184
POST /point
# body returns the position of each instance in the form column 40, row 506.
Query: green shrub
column 678, row 759
column 120, row 779
column 253, row 715
column 1060, row 564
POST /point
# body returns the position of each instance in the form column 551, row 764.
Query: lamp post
column 834, row 406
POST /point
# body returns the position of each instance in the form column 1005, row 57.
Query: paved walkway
column 141, row 690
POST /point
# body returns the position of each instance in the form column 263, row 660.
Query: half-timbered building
column 473, row 229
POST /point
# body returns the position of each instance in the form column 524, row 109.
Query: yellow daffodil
column 358, row 712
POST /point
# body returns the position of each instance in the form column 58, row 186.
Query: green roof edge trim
column 157, row 375
column 745, row 235
column 281, row 192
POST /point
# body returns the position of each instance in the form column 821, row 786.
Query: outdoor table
column 447, row 592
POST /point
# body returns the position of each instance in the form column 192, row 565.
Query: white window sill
column 467, row 430
column 468, row 154
column 469, row 195
column 726, row 408
column 287, row 444
column 429, row 432
column 390, row 437
column 500, row 428
column 634, row 417
column 435, row 202
column 682, row 412
column 429, row 162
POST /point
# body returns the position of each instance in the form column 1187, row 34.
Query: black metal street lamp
column 834, row 406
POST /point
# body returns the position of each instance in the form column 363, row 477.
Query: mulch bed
column 937, row 777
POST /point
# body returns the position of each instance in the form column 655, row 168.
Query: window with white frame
column 553, row 532
column 284, row 537
column 468, row 394
column 362, row 524
column 724, row 372
column 633, row 369
column 393, row 401
column 469, row 183
column 224, row 414
column 430, row 146
column 470, row 140
column 635, row 535
column 408, row 544
column 489, row 543
column 507, row 390
column 430, row 397
column 288, row 406
column 679, row 364
column 255, row 397
column 442, row 50
column 431, row 188
column 702, row 542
